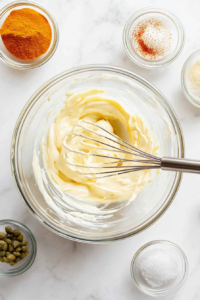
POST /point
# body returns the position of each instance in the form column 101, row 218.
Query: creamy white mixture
column 94, row 106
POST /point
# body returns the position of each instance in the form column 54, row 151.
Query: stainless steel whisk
column 143, row 160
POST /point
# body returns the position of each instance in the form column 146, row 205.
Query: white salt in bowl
column 192, row 59
column 170, row 287
column 170, row 21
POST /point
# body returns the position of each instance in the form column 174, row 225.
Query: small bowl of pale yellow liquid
column 190, row 78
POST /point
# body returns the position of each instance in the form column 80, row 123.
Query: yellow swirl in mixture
column 94, row 106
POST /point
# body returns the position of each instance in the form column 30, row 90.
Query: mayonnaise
column 96, row 107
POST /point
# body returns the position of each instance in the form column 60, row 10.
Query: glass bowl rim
column 180, row 251
column 174, row 19
column 22, row 66
column 34, row 99
column 183, row 80
column 28, row 263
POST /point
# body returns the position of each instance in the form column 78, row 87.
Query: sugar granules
column 193, row 80
column 158, row 267
column 152, row 39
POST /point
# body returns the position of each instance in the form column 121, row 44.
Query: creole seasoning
column 26, row 34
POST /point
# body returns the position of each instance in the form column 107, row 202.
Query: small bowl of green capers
column 18, row 248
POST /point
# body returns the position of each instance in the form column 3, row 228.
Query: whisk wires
column 116, row 165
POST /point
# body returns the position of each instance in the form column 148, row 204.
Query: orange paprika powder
column 26, row 34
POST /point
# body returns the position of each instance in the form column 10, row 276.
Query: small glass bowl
column 192, row 59
column 169, row 289
column 177, row 37
column 19, row 64
column 26, row 263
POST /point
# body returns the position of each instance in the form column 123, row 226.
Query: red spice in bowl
column 152, row 39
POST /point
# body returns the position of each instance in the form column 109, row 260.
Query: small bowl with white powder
column 153, row 37
column 159, row 268
column 190, row 78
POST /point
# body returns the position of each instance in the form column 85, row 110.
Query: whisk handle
column 180, row 165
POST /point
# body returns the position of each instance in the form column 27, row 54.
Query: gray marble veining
column 91, row 32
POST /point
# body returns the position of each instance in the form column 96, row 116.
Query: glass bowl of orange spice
column 29, row 35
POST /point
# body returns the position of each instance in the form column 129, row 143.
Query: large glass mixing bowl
column 76, row 219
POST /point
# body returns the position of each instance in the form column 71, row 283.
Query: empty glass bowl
column 26, row 263
column 81, row 220
column 173, row 285
column 177, row 37
column 19, row 64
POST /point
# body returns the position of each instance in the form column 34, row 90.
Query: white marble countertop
column 91, row 32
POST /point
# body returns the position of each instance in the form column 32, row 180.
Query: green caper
column 24, row 248
column 18, row 249
column 2, row 253
column 2, row 244
column 18, row 259
column 11, row 248
column 11, row 257
column 8, row 241
column 5, row 259
column 24, row 243
column 5, row 247
column 8, row 229
column 16, row 244
column 16, row 232
column 2, row 235
column 22, row 255
column 20, row 238
column 16, row 253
